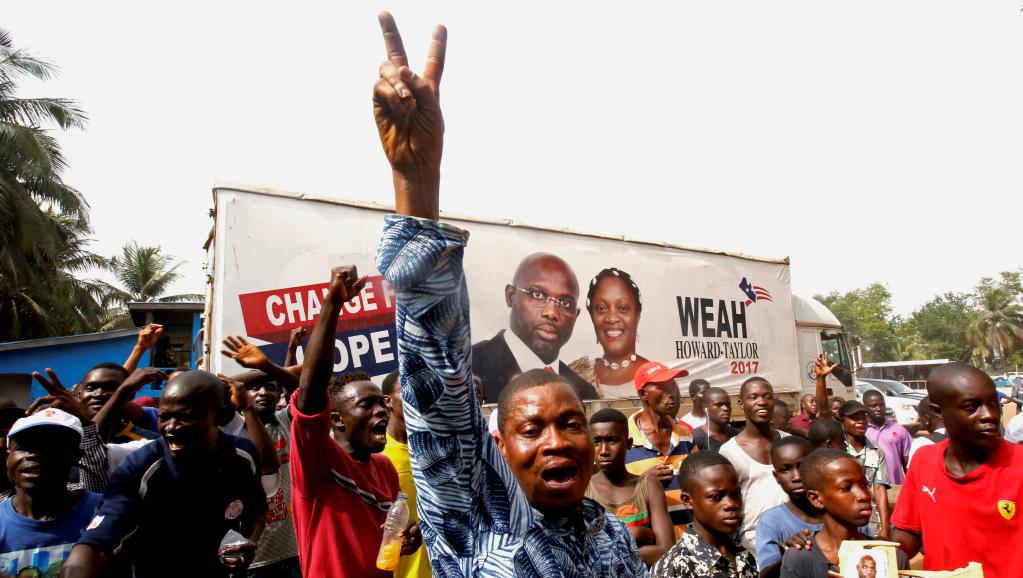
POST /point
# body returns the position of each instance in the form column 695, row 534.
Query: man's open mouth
column 176, row 444
column 379, row 431
column 560, row 477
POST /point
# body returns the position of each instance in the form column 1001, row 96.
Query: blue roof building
column 72, row 356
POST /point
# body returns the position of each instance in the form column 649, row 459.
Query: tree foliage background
column 44, row 222
column 983, row 326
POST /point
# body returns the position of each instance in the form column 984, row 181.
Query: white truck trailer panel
column 723, row 317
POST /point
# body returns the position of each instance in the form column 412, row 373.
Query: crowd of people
column 287, row 470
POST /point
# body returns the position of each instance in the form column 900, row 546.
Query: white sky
column 868, row 141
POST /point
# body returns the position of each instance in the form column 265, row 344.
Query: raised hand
column 240, row 397
column 58, row 397
column 821, row 366
column 408, row 116
column 297, row 335
column 149, row 335
column 345, row 283
column 244, row 353
column 130, row 386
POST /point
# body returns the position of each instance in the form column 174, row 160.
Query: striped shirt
column 643, row 456
column 475, row 519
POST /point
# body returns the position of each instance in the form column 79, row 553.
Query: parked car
column 900, row 399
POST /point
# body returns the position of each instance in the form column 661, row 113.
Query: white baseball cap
column 47, row 417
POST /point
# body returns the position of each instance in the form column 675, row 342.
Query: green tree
column 997, row 324
column 44, row 223
column 1010, row 281
column 939, row 328
column 867, row 314
column 144, row 275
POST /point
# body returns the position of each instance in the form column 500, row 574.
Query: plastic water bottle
column 390, row 547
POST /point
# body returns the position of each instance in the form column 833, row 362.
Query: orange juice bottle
column 390, row 547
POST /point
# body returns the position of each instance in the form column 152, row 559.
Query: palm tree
column 997, row 325
column 29, row 156
column 44, row 223
column 907, row 348
column 144, row 274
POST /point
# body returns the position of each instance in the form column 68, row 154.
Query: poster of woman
column 615, row 306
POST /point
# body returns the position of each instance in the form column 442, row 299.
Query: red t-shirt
column 800, row 421
column 338, row 503
column 967, row 519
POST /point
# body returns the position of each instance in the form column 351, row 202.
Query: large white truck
column 721, row 316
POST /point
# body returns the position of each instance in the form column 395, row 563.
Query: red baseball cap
column 655, row 372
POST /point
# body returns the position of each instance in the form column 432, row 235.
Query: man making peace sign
column 513, row 506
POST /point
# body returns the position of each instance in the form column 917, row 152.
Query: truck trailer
column 721, row 316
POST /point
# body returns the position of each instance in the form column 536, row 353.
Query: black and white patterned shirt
column 476, row 520
column 693, row 557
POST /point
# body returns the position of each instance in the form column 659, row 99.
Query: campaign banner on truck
column 591, row 308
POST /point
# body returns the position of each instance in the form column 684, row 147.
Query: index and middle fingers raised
column 434, row 68
column 53, row 385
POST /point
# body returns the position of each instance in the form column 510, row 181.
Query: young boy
column 698, row 415
column 341, row 488
column 854, row 421
column 890, row 437
column 782, row 420
column 750, row 453
column 960, row 499
column 638, row 501
column 835, row 484
column 827, row 433
column 932, row 424
column 795, row 515
column 717, row 430
column 798, row 515
column 709, row 546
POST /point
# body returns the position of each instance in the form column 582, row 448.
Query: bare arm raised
column 822, row 368
column 147, row 339
column 249, row 356
column 319, row 359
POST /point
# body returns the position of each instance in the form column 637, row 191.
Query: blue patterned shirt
column 474, row 517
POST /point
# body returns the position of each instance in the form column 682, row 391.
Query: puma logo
column 930, row 492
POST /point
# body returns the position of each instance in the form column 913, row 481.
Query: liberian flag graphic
column 754, row 293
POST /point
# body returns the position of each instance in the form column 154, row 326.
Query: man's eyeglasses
column 567, row 305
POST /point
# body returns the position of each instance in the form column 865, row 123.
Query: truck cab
column 817, row 331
